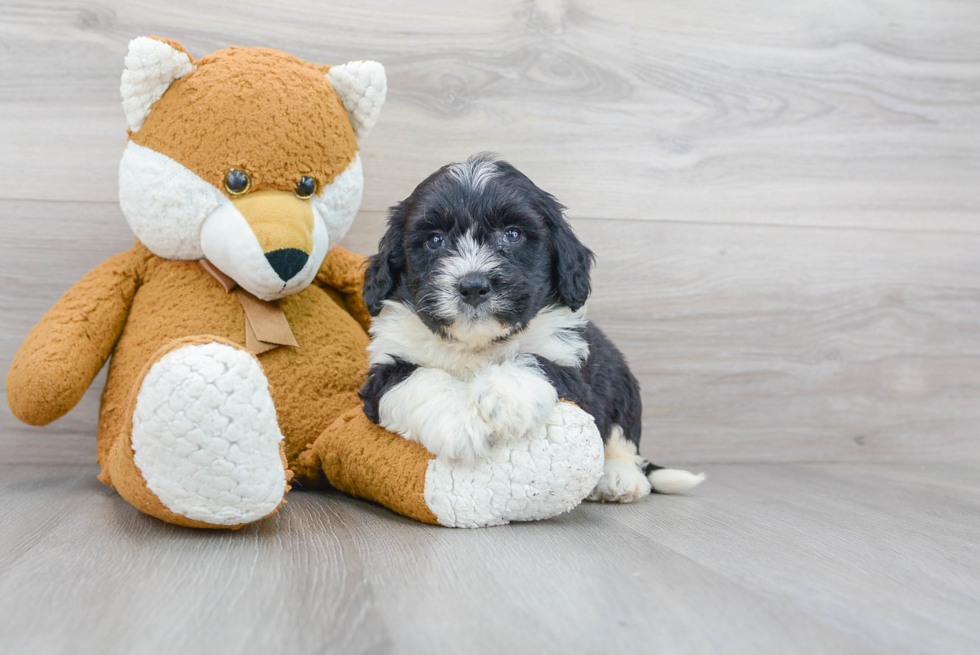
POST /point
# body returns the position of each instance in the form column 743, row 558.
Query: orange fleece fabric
column 137, row 306
column 280, row 112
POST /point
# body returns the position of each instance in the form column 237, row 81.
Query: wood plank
column 795, row 344
column 577, row 583
column 845, row 542
column 751, row 343
column 719, row 113
column 849, row 558
column 120, row 583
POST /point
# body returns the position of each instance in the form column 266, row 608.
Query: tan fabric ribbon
column 266, row 326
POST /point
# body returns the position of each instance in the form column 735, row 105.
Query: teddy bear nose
column 287, row 262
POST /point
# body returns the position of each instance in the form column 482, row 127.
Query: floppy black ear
column 385, row 269
column 572, row 268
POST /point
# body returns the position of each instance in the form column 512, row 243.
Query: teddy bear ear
column 362, row 87
column 152, row 64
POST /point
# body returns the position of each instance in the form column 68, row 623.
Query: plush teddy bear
column 236, row 328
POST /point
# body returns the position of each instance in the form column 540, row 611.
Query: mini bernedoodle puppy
column 478, row 292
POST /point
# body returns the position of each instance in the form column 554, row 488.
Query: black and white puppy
column 478, row 292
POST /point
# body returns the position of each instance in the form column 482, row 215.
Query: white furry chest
column 557, row 334
column 464, row 363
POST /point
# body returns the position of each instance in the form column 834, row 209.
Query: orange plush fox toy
column 236, row 327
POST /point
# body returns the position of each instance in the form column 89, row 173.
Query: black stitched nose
column 474, row 289
column 287, row 262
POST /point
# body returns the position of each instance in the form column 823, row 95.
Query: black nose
column 474, row 289
column 287, row 262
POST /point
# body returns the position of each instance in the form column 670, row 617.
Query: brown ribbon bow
column 266, row 326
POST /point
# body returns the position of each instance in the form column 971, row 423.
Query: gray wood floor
column 816, row 558
column 784, row 201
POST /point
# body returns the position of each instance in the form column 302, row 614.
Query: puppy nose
column 287, row 262
column 474, row 289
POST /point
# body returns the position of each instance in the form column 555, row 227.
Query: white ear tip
column 151, row 67
column 362, row 87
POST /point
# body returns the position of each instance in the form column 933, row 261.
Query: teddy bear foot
column 205, row 447
column 541, row 475
column 538, row 476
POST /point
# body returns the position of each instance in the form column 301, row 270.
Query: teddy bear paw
column 542, row 474
column 206, row 438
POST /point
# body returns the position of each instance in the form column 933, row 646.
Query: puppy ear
column 385, row 269
column 572, row 269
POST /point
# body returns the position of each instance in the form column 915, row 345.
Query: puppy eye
column 435, row 241
column 305, row 188
column 237, row 182
column 513, row 235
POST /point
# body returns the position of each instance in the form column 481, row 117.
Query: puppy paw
column 513, row 398
column 461, row 434
column 435, row 409
column 622, row 482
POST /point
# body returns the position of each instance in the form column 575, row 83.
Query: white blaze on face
column 178, row 215
column 475, row 172
column 473, row 326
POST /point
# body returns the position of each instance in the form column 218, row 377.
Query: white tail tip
column 672, row 481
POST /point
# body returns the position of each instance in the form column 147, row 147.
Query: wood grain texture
column 863, row 114
column 783, row 198
column 847, row 558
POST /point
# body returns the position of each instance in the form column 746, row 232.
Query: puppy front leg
column 428, row 406
column 514, row 397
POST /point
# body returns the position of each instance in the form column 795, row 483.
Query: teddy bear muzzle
column 283, row 225
column 270, row 242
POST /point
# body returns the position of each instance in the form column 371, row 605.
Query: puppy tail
column 671, row 481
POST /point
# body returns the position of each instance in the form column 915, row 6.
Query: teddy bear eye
column 305, row 188
column 237, row 182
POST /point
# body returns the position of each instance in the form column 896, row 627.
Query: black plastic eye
column 305, row 188
column 513, row 235
column 435, row 241
column 237, row 182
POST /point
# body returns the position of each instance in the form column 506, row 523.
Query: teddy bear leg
column 203, row 447
column 366, row 461
column 542, row 474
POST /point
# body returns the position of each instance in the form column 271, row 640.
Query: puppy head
column 477, row 251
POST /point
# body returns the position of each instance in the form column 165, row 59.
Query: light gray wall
column 783, row 196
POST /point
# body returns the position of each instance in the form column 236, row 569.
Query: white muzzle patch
column 228, row 242
column 165, row 203
column 178, row 215
column 472, row 326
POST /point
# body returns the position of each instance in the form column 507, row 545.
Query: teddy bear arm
column 343, row 271
column 64, row 352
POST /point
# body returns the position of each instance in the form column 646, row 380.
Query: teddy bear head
column 247, row 157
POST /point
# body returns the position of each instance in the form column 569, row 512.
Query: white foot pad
column 206, row 438
column 534, row 477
